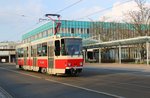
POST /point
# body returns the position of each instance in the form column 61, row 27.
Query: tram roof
column 130, row 41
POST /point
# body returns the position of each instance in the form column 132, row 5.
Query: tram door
column 25, row 55
column 17, row 56
column 50, row 55
column 34, row 55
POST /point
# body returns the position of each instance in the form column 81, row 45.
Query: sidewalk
column 123, row 66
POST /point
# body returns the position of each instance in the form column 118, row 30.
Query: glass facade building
column 100, row 31
column 68, row 28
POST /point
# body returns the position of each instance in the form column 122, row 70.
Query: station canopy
column 91, row 43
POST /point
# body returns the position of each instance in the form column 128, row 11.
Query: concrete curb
column 4, row 94
column 141, row 67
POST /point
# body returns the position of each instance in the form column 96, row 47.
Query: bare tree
column 140, row 23
column 140, row 19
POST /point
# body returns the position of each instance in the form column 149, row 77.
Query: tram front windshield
column 71, row 46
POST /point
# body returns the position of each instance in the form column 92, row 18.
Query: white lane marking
column 21, row 73
column 83, row 88
column 66, row 84
column 4, row 93
column 147, row 75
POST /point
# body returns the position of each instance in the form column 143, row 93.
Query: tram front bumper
column 70, row 70
column 74, row 68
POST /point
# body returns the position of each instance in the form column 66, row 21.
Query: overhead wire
column 65, row 8
column 73, row 4
column 102, row 10
column 61, row 10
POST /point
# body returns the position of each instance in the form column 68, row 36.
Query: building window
column 11, row 47
column 72, row 30
column 46, row 33
column 81, row 30
column 40, row 35
column 69, row 30
column 88, row 31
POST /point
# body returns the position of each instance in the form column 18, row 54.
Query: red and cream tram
column 52, row 55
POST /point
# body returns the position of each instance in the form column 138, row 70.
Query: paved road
column 92, row 83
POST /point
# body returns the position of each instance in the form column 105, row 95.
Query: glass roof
column 130, row 41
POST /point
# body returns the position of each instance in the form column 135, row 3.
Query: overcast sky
column 18, row 16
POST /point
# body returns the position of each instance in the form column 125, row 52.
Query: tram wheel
column 20, row 67
column 73, row 72
column 43, row 70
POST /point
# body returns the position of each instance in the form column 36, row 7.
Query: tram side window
column 20, row 52
column 42, row 49
column 57, row 48
column 63, row 51
column 39, row 50
column 33, row 51
column 26, row 52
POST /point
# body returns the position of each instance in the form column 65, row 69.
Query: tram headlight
column 81, row 63
column 66, row 65
column 69, row 64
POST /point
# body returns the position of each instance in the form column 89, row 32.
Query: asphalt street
column 92, row 83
